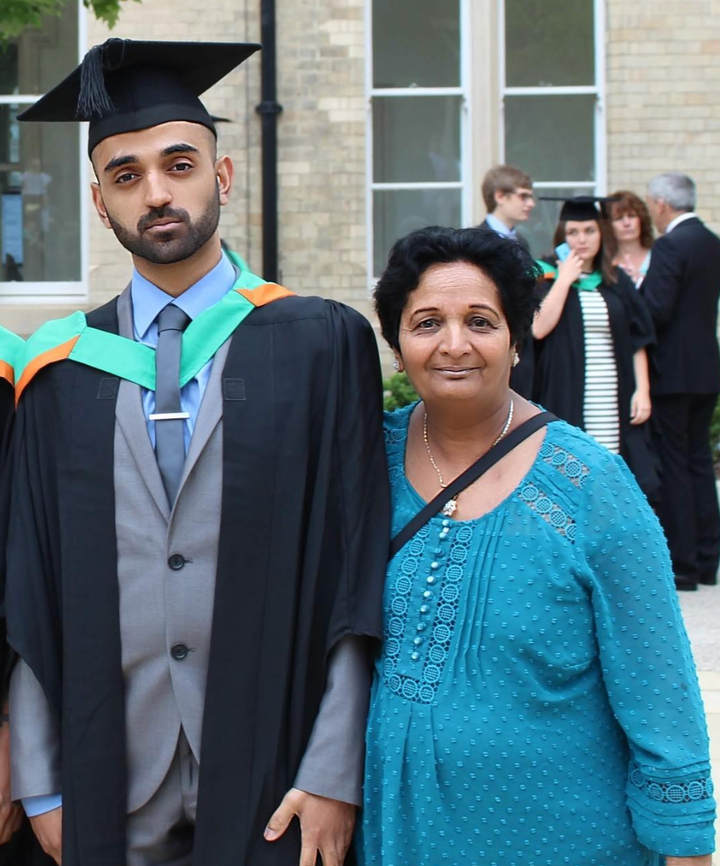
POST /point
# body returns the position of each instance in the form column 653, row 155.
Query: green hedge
column 398, row 392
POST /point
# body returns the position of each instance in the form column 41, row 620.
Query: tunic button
column 421, row 626
column 176, row 561
column 430, row 579
column 179, row 651
column 427, row 594
column 424, row 608
column 415, row 656
column 418, row 641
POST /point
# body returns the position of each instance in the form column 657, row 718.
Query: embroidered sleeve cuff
column 673, row 816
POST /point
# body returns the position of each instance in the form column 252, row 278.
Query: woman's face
column 583, row 238
column 454, row 339
column 626, row 227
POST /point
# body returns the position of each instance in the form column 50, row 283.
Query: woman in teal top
column 535, row 701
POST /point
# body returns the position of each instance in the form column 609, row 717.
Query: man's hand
column 326, row 826
column 10, row 814
column 48, row 829
column 640, row 407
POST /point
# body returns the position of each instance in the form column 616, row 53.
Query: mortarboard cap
column 579, row 207
column 124, row 85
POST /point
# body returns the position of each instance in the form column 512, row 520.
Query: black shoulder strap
column 472, row 473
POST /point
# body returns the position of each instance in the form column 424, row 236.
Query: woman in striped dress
column 591, row 339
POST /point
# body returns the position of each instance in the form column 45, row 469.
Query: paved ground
column 701, row 610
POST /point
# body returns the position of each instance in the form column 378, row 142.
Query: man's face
column 514, row 207
column 160, row 189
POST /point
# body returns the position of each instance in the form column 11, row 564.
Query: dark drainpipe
column 269, row 109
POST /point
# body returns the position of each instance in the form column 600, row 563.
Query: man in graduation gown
column 199, row 518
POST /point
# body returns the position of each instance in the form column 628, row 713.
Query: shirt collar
column 678, row 220
column 148, row 300
column 499, row 226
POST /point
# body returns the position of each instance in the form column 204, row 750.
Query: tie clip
column 169, row 416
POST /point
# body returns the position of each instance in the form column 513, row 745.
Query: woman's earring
column 516, row 360
column 396, row 364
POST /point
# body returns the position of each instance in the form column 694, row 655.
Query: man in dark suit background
column 509, row 199
column 682, row 288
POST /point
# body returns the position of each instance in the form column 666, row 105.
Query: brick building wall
column 663, row 98
column 662, row 101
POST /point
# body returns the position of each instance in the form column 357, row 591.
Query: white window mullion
column 18, row 99
column 600, row 125
column 588, row 90
column 417, row 91
column 369, row 209
column 420, row 185
column 466, row 120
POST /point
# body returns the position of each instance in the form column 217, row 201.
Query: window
column 419, row 129
column 42, row 212
column 552, row 74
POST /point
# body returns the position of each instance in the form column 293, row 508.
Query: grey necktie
column 168, row 415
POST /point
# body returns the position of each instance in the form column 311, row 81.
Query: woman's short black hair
column 501, row 259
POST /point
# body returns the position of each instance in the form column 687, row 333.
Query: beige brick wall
column 663, row 95
column 663, row 113
column 321, row 82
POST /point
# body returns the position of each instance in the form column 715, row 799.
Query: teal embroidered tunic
column 535, row 701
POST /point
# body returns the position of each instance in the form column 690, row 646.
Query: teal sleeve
column 647, row 665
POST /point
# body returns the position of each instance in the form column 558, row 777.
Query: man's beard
column 177, row 244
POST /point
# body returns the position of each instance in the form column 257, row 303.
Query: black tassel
column 93, row 99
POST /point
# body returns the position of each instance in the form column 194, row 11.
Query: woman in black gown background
column 591, row 341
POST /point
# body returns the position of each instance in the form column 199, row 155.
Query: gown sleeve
column 31, row 597
column 647, row 665
column 642, row 330
column 362, row 478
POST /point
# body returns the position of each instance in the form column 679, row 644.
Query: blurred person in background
column 681, row 291
column 591, row 337
column 632, row 234
column 509, row 199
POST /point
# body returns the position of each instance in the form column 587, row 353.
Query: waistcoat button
column 179, row 651
column 176, row 561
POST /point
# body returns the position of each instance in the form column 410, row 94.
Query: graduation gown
column 302, row 555
column 559, row 375
column 23, row 849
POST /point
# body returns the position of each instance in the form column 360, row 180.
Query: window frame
column 599, row 185
column 464, row 91
column 68, row 291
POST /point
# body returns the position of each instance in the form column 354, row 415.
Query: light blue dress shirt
column 499, row 226
column 147, row 302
